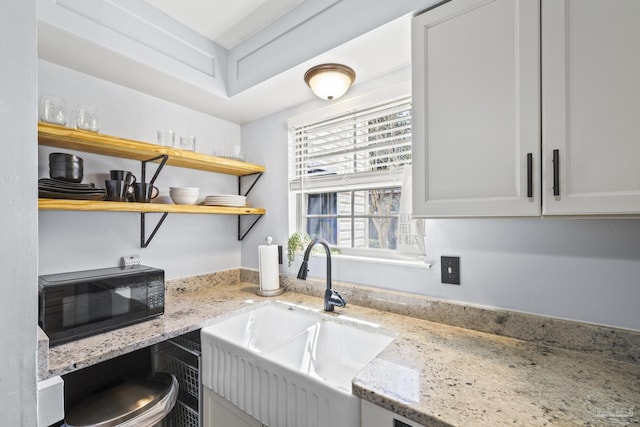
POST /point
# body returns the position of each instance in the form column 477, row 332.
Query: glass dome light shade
column 330, row 81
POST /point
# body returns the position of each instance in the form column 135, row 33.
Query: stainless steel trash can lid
column 116, row 405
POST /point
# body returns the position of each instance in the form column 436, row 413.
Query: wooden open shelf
column 91, row 142
column 90, row 205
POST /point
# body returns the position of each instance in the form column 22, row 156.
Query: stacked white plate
column 225, row 200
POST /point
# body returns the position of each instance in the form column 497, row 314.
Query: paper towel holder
column 271, row 292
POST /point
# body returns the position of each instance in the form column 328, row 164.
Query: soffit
column 227, row 23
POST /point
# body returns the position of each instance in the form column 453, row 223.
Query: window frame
column 304, row 216
column 297, row 201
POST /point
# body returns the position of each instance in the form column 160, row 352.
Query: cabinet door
column 476, row 109
column 218, row 412
column 591, row 106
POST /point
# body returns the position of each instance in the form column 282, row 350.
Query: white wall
column 580, row 269
column 185, row 245
column 18, row 228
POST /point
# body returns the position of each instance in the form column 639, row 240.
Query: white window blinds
column 361, row 148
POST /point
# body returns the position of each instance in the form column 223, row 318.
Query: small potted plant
column 298, row 241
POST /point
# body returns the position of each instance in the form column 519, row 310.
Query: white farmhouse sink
column 289, row 367
column 331, row 352
column 261, row 329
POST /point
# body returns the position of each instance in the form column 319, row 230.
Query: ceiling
column 227, row 23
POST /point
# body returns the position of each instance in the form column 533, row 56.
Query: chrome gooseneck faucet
column 331, row 297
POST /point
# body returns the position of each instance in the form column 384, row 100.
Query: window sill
column 402, row 262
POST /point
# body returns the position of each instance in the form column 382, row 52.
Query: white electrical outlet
column 129, row 260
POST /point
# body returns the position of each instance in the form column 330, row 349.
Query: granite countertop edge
column 433, row 374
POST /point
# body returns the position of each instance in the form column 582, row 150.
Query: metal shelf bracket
column 143, row 241
column 257, row 175
column 242, row 235
column 164, row 158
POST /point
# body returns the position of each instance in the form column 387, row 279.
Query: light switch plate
column 450, row 270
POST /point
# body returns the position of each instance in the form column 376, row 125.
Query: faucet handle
column 333, row 299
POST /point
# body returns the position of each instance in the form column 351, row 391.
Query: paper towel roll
column 268, row 267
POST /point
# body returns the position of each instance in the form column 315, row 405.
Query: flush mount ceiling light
column 329, row 81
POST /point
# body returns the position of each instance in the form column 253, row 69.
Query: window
column 346, row 174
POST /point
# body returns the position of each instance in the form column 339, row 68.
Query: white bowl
column 183, row 198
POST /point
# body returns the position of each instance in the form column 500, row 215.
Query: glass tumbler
column 166, row 137
column 188, row 142
column 52, row 110
column 87, row 118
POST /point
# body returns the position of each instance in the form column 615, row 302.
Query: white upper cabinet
column 476, row 101
column 591, row 106
column 481, row 105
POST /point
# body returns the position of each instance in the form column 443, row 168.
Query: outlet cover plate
column 450, row 270
column 129, row 260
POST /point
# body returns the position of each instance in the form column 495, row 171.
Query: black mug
column 117, row 190
column 125, row 176
column 143, row 192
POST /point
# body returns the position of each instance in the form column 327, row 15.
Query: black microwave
column 83, row 303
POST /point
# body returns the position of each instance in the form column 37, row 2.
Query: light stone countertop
column 434, row 374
